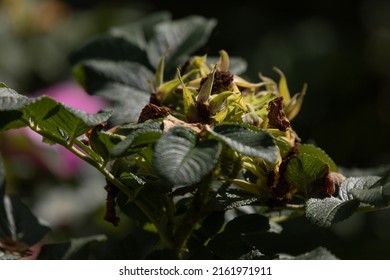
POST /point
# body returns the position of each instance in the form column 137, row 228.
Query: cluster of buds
column 205, row 95
column 209, row 94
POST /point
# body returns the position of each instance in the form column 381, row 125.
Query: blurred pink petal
column 74, row 96
column 62, row 162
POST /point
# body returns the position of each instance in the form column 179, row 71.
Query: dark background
column 341, row 49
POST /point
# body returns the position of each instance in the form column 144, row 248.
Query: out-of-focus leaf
column 76, row 249
column 177, row 39
column 109, row 47
column 141, row 31
column 319, row 253
column 182, row 158
column 95, row 74
column 237, row 65
column 125, row 84
column 124, row 43
column 247, row 141
column 19, row 228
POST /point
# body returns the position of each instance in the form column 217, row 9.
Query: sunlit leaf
column 188, row 100
column 319, row 253
column 224, row 61
column 47, row 116
column 283, row 88
column 205, row 90
column 247, row 141
column 328, row 211
column 355, row 183
column 303, row 171
column 294, row 105
column 319, row 153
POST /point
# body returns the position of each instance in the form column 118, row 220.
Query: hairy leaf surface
column 247, row 141
column 182, row 158
column 328, row 211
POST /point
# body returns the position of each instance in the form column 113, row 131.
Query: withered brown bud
column 277, row 117
column 222, row 81
column 151, row 111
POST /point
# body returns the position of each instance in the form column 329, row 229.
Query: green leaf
column 249, row 142
column 125, row 84
column 355, row 183
column 126, row 42
column 103, row 143
column 97, row 73
column 182, row 158
column 303, row 172
column 138, row 137
column 328, row 211
column 205, row 90
column 319, row 153
column 188, row 100
column 10, row 103
column 283, row 88
column 141, row 31
column 60, row 120
column 379, row 196
column 18, row 224
column 109, row 47
column 76, row 249
column 177, row 39
column 51, row 119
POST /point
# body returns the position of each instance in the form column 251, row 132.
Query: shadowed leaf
column 182, row 159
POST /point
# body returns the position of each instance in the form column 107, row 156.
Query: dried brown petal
column 277, row 117
column 281, row 190
column 222, row 81
column 151, row 111
column 328, row 187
